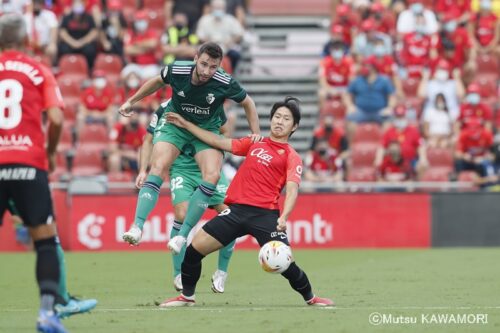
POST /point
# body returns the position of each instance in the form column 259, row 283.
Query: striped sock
column 148, row 196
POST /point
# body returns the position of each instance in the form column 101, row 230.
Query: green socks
column 148, row 196
column 177, row 258
column 225, row 255
column 197, row 206
column 61, row 290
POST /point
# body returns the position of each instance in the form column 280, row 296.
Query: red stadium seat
column 70, row 91
column 120, row 177
column 74, row 67
column 365, row 174
column 335, row 108
column 157, row 20
column 156, row 5
column 367, row 133
column 363, row 155
column 467, row 176
column 94, row 135
column 410, row 86
column 436, row 174
column 87, row 161
column 440, row 157
column 111, row 64
column 488, row 66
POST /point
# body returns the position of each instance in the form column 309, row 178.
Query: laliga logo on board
column 262, row 154
column 90, row 231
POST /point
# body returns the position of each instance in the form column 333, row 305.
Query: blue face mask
column 473, row 99
column 450, row 26
column 417, row 8
column 485, row 4
column 337, row 54
column 218, row 13
column 379, row 50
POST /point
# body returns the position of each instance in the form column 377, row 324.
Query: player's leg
column 163, row 155
column 263, row 228
column 210, row 163
column 179, row 213
column 220, row 276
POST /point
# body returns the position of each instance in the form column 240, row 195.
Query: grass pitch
column 394, row 283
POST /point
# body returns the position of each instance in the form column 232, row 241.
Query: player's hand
column 126, row 109
column 281, row 224
column 141, row 177
column 176, row 119
column 255, row 137
column 52, row 161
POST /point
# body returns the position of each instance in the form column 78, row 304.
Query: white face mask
column 141, row 25
column 400, row 123
column 100, row 82
column 417, row 8
column 485, row 4
column 218, row 13
column 337, row 54
column 78, row 8
column 441, row 106
column 442, row 75
column 133, row 83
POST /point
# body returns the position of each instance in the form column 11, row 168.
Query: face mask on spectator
column 78, row 8
column 400, row 123
column 134, row 124
column 420, row 29
column 379, row 50
column 417, row 8
column 473, row 99
column 485, row 4
column 218, row 13
column 99, row 82
column 441, row 106
column 450, row 26
column 133, row 83
column 141, row 25
column 322, row 151
column 442, row 75
column 337, row 54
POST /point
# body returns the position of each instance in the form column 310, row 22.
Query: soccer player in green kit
column 185, row 176
column 199, row 91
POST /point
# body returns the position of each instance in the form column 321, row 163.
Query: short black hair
column 292, row 104
column 213, row 50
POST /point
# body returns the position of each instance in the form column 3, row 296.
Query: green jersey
column 200, row 104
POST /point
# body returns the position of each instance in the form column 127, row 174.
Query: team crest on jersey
column 281, row 151
column 210, row 98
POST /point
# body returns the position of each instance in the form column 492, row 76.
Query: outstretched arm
column 146, row 89
column 208, row 137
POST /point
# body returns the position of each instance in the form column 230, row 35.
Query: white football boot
column 218, row 281
column 176, row 243
column 133, row 235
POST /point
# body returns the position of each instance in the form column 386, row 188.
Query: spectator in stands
column 223, row 29
column 334, row 136
column 394, row 167
column 386, row 64
column 485, row 30
column 451, row 87
column 473, row 108
column 114, row 27
column 408, row 20
column 383, row 18
column 438, row 124
column 178, row 42
column 141, row 43
column 323, row 164
column 370, row 97
column 42, row 25
column 408, row 136
column 335, row 71
column 238, row 9
column 14, row 6
column 336, row 35
column 348, row 20
column 97, row 102
column 78, row 33
column 364, row 42
column 474, row 149
column 418, row 49
column 441, row 7
column 193, row 9
column 126, row 138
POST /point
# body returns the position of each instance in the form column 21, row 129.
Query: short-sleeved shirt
column 460, row 38
column 95, row 101
column 371, row 97
column 148, row 57
column 200, row 104
column 78, row 28
column 268, row 166
column 127, row 138
column 27, row 88
column 468, row 111
column 337, row 74
column 475, row 142
column 409, row 139
column 395, row 170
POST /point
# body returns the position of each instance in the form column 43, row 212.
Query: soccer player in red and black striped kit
column 252, row 197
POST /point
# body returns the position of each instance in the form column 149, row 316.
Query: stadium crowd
column 408, row 89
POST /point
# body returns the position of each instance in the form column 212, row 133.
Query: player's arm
column 251, row 113
column 55, row 117
column 292, row 192
column 208, row 137
column 146, row 89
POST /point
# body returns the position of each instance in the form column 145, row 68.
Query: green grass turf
column 395, row 282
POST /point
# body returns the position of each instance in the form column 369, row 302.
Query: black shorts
column 28, row 189
column 240, row 220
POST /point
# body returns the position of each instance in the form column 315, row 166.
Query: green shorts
column 184, row 183
column 179, row 137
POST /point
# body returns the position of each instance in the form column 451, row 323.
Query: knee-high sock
column 197, row 206
column 225, row 255
column 299, row 281
column 62, row 290
column 191, row 270
column 177, row 258
column 47, row 271
column 148, row 197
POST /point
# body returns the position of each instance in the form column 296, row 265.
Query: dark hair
column 292, row 104
column 213, row 50
column 444, row 100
